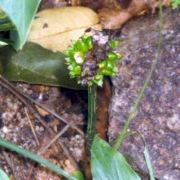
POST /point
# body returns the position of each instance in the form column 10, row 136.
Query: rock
column 158, row 116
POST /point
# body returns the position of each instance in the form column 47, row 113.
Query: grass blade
column 146, row 83
column 148, row 162
column 35, row 158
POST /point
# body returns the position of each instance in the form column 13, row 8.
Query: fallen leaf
column 55, row 29
column 41, row 111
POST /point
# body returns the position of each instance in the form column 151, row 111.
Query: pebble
column 45, row 97
column 5, row 130
column 48, row 118
column 7, row 116
column 39, row 128
column 35, row 95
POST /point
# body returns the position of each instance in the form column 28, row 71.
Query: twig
column 6, row 157
column 55, row 138
column 66, row 151
column 30, row 172
column 15, row 92
column 13, row 168
column 55, row 115
column 48, row 145
column 10, row 163
column 32, row 128
column 40, row 105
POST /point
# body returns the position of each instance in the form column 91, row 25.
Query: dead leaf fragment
column 41, row 111
column 55, row 29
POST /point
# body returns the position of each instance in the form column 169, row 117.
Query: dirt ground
column 20, row 124
column 62, row 114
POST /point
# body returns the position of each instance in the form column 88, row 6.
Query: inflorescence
column 92, row 57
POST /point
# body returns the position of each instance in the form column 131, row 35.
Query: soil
column 157, row 118
column 15, row 126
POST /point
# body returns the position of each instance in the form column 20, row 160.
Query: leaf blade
column 36, row 158
column 108, row 164
column 22, row 20
column 36, row 65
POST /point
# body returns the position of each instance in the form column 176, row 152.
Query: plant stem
column 91, row 126
column 146, row 83
column 36, row 158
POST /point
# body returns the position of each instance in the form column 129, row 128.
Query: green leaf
column 36, row 65
column 148, row 162
column 21, row 14
column 3, row 175
column 113, row 44
column 175, row 4
column 36, row 158
column 109, row 164
column 148, row 159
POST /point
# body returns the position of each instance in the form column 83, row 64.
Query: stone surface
column 158, row 116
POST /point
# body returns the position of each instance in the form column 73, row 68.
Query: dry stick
column 42, row 106
column 55, row 138
column 8, row 160
column 50, row 144
column 65, row 149
column 10, row 163
column 55, row 115
column 23, row 100
column 30, row 172
column 37, row 103
column 14, row 91
column 32, row 128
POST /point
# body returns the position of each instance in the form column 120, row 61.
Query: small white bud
column 78, row 58
column 96, row 37
column 103, row 40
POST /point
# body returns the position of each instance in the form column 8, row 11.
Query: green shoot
column 138, row 99
column 35, row 158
